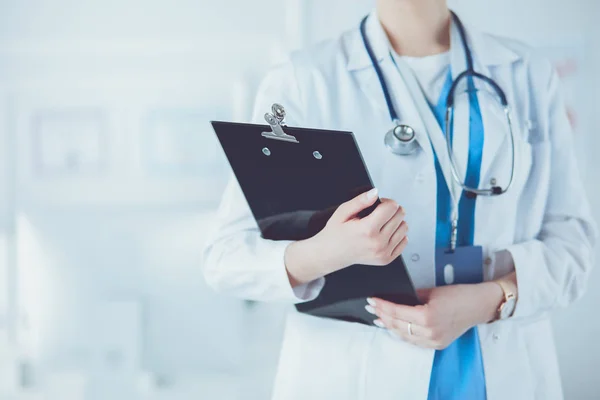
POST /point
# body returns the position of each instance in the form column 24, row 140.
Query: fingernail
column 378, row 323
column 370, row 309
column 371, row 301
column 371, row 194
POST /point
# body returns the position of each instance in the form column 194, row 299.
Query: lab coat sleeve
column 552, row 270
column 237, row 260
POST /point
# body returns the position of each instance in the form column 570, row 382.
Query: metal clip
column 453, row 235
column 275, row 120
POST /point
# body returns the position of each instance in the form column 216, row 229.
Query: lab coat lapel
column 460, row 143
column 416, row 111
column 428, row 121
column 495, row 133
column 494, row 128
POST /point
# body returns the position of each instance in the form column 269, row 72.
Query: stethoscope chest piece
column 401, row 140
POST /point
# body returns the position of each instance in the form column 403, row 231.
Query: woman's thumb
column 349, row 209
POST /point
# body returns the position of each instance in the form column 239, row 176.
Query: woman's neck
column 416, row 28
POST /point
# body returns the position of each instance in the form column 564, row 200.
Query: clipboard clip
column 275, row 120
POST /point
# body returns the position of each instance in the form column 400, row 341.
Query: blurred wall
column 112, row 174
column 106, row 198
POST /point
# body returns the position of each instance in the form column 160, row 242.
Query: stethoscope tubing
column 468, row 74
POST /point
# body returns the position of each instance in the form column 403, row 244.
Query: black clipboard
column 293, row 180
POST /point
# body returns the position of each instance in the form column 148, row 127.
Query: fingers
column 381, row 215
column 417, row 335
column 402, row 327
column 414, row 314
column 383, row 233
column 399, row 249
column 377, row 239
column 425, row 331
column 398, row 235
column 349, row 209
column 393, row 224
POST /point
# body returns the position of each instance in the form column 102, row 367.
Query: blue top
column 457, row 371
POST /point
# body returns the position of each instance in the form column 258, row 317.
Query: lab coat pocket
column 539, row 341
column 522, row 168
column 504, row 212
column 500, row 174
column 322, row 359
column 506, row 361
column 396, row 369
column 533, row 190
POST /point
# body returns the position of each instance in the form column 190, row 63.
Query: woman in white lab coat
column 485, row 340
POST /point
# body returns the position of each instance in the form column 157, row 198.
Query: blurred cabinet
column 69, row 142
column 123, row 152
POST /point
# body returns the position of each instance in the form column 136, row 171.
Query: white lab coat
column 544, row 222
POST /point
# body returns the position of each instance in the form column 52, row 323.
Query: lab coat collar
column 487, row 50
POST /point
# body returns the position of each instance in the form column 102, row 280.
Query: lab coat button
column 415, row 257
column 420, row 177
column 495, row 337
column 493, row 181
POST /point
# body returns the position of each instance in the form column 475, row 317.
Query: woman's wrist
column 489, row 296
column 309, row 259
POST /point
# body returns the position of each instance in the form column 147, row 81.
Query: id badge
column 461, row 266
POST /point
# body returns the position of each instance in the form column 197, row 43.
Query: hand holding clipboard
column 293, row 180
column 376, row 239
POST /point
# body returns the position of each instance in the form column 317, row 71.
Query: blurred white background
column 110, row 174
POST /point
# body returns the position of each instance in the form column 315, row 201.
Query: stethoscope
column 401, row 139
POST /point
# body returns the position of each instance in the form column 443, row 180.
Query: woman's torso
column 325, row 359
